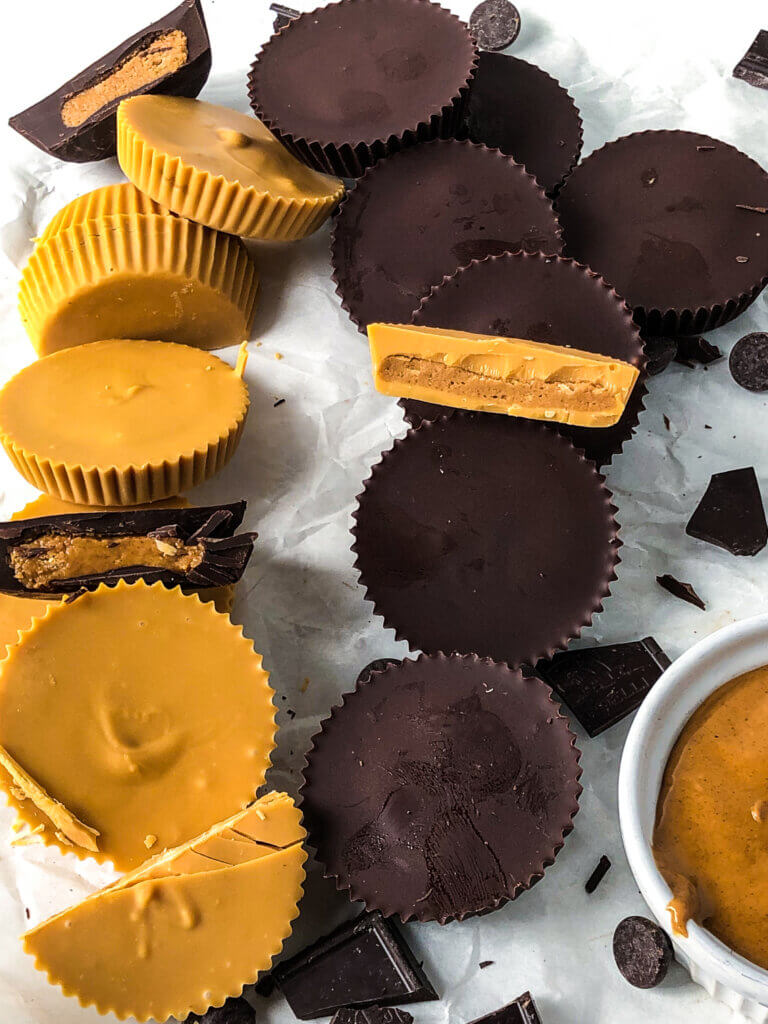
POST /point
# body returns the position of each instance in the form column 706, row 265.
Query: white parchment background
column 657, row 64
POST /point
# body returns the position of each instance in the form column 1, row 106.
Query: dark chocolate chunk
column 660, row 352
column 365, row 962
column 602, row 685
column 753, row 66
column 376, row 666
column 602, row 869
column 495, row 24
column 697, row 350
column 486, row 963
column 682, row 590
column 283, row 15
column 642, row 951
column 521, row 1011
column 234, row 1011
column 731, row 513
column 225, row 555
column 94, row 138
column 748, row 361
column 372, row 1015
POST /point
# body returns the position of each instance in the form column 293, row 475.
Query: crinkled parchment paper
column 629, row 66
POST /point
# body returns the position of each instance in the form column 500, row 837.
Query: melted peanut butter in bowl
column 710, row 841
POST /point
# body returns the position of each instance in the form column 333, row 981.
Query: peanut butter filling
column 586, row 396
column 58, row 557
column 157, row 58
column 711, row 836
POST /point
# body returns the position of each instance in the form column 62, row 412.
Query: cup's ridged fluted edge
column 93, row 251
column 213, row 200
column 48, row 838
column 349, row 158
column 352, row 200
column 357, row 893
column 674, row 320
column 554, row 189
column 557, row 643
column 109, row 201
column 639, row 359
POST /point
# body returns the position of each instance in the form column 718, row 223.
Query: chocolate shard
column 642, row 951
column 520, row 1011
column 365, row 962
column 660, row 352
column 753, row 66
column 77, row 121
column 696, row 350
column 283, row 15
column 372, row 1015
column 602, row 685
column 682, row 590
column 731, row 514
column 234, row 1011
column 602, row 869
column 36, row 554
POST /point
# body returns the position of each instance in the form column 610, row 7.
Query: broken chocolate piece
column 602, row 869
column 77, row 121
column 642, row 951
column 520, row 1011
column 283, row 15
column 365, row 962
column 682, row 590
column 731, row 514
column 66, row 554
column 696, row 350
column 495, row 24
column 486, row 963
column 660, row 352
column 602, row 685
column 376, row 666
column 234, row 1011
column 753, row 66
column 748, row 362
column 372, row 1015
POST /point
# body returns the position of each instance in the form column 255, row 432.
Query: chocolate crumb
column 26, row 911
column 697, row 350
column 486, row 963
column 290, row 712
column 682, row 590
column 707, row 426
column 278, row 402
column 666, row 421
column 602, row 869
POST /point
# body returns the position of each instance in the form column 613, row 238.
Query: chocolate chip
column 495, row 24
column 278, row 402
column 602, row 869
column 642, row 951
column 486, row 963
column 682, row 590
column 748, row 362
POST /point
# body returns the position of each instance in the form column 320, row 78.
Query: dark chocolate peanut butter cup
column 420, row 214
column 518, row 108
column 672, row 219
column 441, row 787
column 549, row 299
column 348, row 83
column 476, row 533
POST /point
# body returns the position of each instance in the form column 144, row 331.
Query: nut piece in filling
column 503, row 375
column 711, row 829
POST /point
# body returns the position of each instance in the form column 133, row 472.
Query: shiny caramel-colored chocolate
column 142, row 711
column 221, row 168
column 711, row 831
column 188, row 928
column 137, row 275
column 502, row 375
column 122, row 422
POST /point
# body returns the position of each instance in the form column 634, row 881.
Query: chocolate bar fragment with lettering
column 190, row 547
column 77, row 121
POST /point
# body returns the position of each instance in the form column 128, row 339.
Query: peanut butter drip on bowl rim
column 135, row 275
column 711, row 831
column 221, row 168
column 122, row 422
column 144, row 712
column 190, row 927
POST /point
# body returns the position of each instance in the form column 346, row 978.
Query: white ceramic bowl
column 682, row 688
